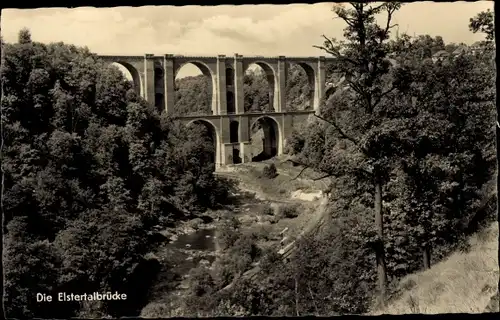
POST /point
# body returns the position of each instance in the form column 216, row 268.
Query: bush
column 268, row 218
column 200, row 281
column 267, row 211
column 246, row 246
column 288, row 211
column 227, row 233
column 270, row 171
column 237, row 259
column 261, row 232
column 295, row 143
column 270, row 258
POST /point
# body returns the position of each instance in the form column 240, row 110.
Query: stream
column 202, row 239
column 180, row 254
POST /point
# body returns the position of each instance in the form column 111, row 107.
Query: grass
column 463, row 283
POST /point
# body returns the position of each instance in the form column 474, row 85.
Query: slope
column 463, row 283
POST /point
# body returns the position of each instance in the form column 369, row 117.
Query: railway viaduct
column 230, row 126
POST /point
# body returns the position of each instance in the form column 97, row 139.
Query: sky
column 289, row 30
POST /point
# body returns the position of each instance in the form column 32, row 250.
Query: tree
column 24, row 36
column 88, row 169
column 192, row 95
column 483, row 22
column 422, row 46
column 256, row 91
column 365, row 66
column 298, row 89
column 433, row 135
column 451, row 159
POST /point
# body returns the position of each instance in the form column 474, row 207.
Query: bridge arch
column 272, row 140
column 310, row 89
column 134, row 73
column 213, row 135
column 271, row 77
column 207, row 72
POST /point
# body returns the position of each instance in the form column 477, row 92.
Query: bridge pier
column 280, row 96
column 169, row 82
column 319, row 85
column 246, row 152
column 239, row 99
column 149, row 78
column 221, row 85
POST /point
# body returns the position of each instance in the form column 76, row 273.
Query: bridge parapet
column 178, row 56
column 120, row 57
column 245, row 114
column 194, row 57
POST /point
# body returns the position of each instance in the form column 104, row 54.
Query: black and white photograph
column 318, row 159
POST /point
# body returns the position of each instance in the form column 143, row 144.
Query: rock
column 188, row 245
column 195, row 223
column 166, row 233
column 248, row 219
column 306, row 196
column 204, row 262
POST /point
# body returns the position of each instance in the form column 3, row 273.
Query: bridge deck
column 245, row 114
column 175, row 56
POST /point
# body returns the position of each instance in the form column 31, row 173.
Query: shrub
column 288, row 211
column 267, row 211
column 270, row 171
column 227, row 232
column 200, row 281
column 295, row 143
column 270, row 258
column 237, row 259
column 245, row 246
column 261, row 232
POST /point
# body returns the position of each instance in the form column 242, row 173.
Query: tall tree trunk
column 379, row 223
column 426, row 254
column 297, row 296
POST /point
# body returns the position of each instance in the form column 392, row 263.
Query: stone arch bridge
column 229, row 124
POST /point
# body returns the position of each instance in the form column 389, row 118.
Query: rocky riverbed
column 194, row 242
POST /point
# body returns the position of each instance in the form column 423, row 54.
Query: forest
column 90, row 169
